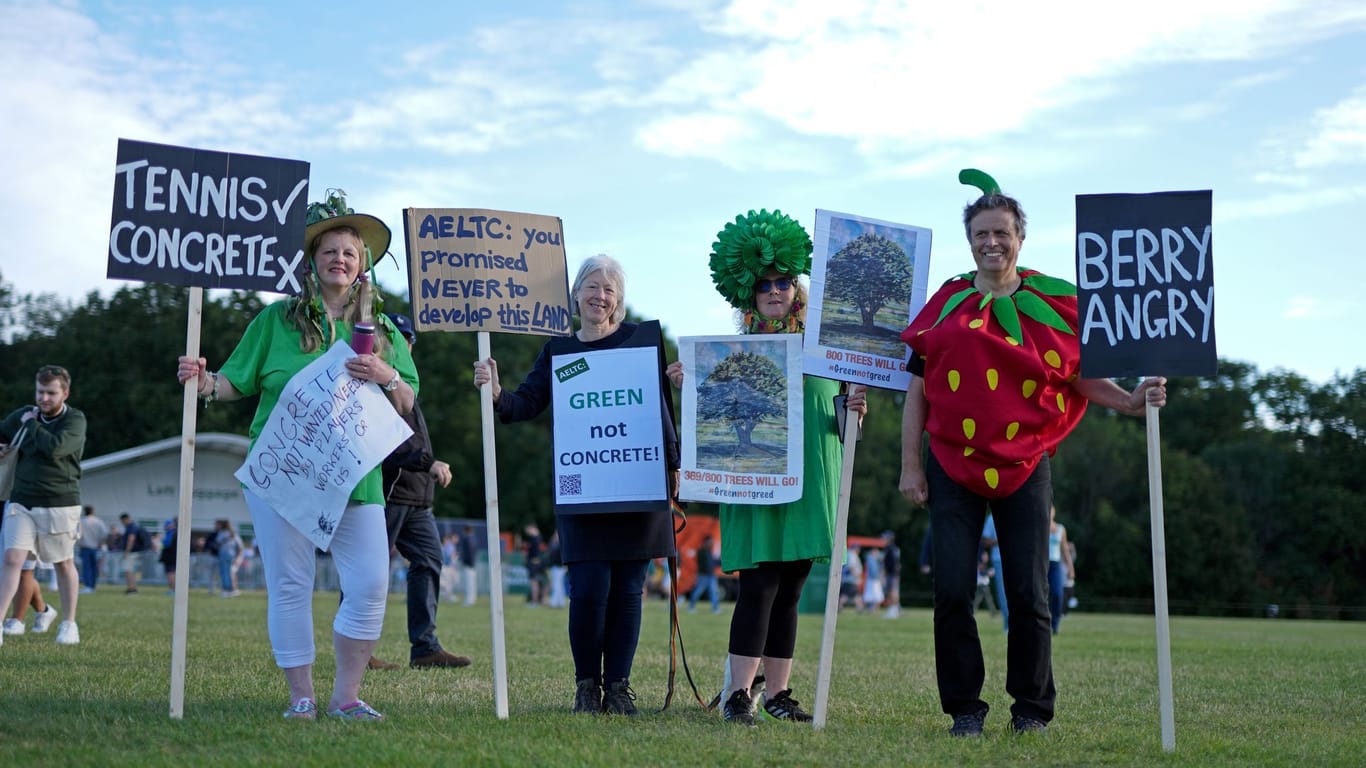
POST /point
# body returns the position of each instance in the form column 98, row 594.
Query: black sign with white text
column 1145, row 284
column 195, row 217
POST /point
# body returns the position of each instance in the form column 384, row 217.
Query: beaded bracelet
column 213, row 392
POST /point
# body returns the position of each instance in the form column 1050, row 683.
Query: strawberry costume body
column 997, row 376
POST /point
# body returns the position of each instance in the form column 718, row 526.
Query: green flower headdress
column 752, row 245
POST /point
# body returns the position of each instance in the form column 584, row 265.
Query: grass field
column 1247, row 692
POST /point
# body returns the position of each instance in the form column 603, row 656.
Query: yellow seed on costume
column 1027, row 389
column 1052, row 358
column 953, row 381
column 968, row 451
column 1012, row 341
column 1062, row 404
column 1012, row 429
column 992, row 477
column 975, row 324
column 993, row 378
column 969, row 428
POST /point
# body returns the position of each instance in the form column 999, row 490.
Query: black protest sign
column 195, row 217
column 1145, row 284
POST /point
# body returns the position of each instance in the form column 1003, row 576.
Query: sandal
column 356, row 711
column 303, row 709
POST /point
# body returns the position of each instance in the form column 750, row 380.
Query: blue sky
column 647, row 126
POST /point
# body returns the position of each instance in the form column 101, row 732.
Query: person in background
column 891, row 574
column 411, row 474
column 228, row 548
column 168, row 553
column 534, row 549
column 756, row 263
column 996, row 382
column 1060, row 569
column 706, row 576
column 44, row 506
column 29, row 593
column 282, row 340
column 136, row 540
column 94, row 534
column 467, row 550
column 607, row 554
column 993, row 549
column 558, row 573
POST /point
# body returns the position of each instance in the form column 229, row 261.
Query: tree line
column 1262, row 471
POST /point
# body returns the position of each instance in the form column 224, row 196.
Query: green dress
column 803, row 529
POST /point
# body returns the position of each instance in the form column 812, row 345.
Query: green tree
column 742, row 390
column 870, row 272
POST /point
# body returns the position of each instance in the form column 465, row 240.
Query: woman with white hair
column 607, row 554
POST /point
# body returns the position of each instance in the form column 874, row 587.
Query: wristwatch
column 393, row 383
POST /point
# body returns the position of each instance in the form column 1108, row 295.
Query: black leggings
column 765, row 618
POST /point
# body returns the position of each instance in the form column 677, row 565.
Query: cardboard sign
column 868, row 279
column 742, row 419
column 477, row 270
column 1145, row 284
column 609, row 437
column 327, row 431
column 212, row 219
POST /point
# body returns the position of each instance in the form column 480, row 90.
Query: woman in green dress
column 756, row 264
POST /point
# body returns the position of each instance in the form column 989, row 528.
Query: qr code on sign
column 571, row 485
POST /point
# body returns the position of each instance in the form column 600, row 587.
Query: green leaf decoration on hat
column 980, row 179
column 334, row 206
column 752, row 245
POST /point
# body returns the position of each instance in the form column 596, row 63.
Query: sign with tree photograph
column 742, row 419
column 868, row 279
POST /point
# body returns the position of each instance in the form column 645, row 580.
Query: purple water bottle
column 363, row 338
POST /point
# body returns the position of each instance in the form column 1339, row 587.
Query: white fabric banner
column 327, row 431
column 608, row 434
column 742, row 419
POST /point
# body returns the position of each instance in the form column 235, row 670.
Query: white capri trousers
column 360, row 551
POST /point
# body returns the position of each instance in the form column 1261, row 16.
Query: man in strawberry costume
column 996, row 383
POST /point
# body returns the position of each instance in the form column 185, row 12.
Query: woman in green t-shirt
column 284, row 338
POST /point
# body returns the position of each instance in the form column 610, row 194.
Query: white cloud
column 1302, row 307
column 888, row 74
column 1339, row 135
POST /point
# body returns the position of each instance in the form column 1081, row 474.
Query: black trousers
column 956, row 518
column 412, row 530
column 765, row 619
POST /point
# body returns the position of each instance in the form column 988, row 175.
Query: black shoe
column 784, row 707
column 588, row 698
column 618, row 699
column 969, row 725
column 1025, row 724
column 739, row 709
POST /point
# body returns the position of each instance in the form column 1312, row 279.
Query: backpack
column 142, row 540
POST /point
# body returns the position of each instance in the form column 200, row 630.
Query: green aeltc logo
column 569, row 371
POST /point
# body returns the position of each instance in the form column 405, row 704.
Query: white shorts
column 49, row 532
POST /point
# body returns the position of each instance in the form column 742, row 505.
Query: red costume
column 997, row 378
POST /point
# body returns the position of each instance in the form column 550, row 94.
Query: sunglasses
column 764, row 286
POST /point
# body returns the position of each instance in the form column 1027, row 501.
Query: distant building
column 145, row 482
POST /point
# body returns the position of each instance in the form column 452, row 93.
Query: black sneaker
column 588, row 698
column 1026, row 724
column 739, row 709
column 618, row 699
column 969, row 725
column 784, row 707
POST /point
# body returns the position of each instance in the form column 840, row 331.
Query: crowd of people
column 990, row 503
